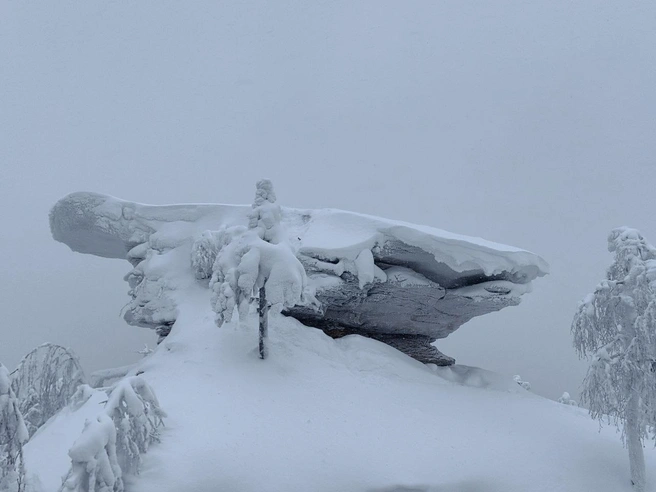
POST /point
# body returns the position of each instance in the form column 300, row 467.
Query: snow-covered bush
column 257, row 262
column 226, row 294
column 112, row 444
column 616, row 327
column 203, row 254
column 44, row 381
column 524, row 384
column 13, row 434
column 566, row 399
column 94, row 464
column 137, row 416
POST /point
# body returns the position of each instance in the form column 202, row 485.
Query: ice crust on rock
column 375, row 277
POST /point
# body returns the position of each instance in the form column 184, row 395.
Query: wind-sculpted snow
column 401, row 283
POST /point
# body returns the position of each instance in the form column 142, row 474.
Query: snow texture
column 100, row 378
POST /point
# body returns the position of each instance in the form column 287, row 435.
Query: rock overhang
column 415, row 283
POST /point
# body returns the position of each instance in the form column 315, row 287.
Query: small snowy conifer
column 13, row 434
column 616, row 326
column 257, row 260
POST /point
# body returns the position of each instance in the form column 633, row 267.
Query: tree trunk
column 634, row 443
column 263, row 310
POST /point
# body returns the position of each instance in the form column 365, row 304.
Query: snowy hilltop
column 327, row 410
column 346, row 415
column 403, row 284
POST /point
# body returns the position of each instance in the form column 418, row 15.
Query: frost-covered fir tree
column 616, row 326
column 13, row 434
column 257, row 263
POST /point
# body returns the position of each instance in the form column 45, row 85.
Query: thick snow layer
column 340, row 234
column 109, row 227
column 345, row 415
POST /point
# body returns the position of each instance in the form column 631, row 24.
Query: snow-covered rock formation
column 400, row 283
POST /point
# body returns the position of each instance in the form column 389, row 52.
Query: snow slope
column 345, row 415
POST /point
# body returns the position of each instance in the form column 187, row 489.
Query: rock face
column 402, row 284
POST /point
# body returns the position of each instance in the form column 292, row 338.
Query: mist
column 526, row 124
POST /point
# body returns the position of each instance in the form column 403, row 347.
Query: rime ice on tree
column 44, row 381
column 256, row 260
column 616, row 326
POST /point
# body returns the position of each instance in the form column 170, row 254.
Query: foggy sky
column 526, row 123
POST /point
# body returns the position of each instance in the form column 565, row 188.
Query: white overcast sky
column 527, row 123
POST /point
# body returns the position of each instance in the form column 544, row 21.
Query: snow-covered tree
column 203, row 255
column 44, row 381
column 137, row 416
column 566, row 399
column 94, row 464
column 112, row 444
column 13, row 434
column 266, row 214
column 616, row 327
column 524, row 384
column 257, row 263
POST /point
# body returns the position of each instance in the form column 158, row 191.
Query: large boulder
column 403, row 284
